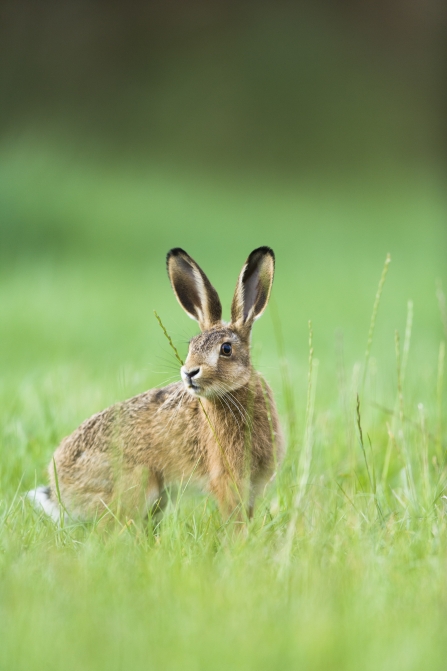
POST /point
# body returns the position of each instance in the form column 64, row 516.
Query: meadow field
column 344, row 565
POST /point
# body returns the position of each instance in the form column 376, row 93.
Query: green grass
column 350, row 573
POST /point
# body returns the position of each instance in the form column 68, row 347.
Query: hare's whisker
column 242, row 411
column 228, row 398
column 221, row 398
column 175, row 413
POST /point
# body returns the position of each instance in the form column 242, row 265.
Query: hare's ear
column 194, row 291
column 253, row 287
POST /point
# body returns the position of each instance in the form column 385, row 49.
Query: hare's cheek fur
column 232, row 373
column 216, row 374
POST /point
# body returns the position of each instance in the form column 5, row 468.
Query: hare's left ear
column 253, row 287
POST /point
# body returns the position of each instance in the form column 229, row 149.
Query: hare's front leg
column 156, row 498
column 228, row 491
column 257, row 488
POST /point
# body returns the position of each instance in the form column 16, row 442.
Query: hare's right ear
column 194, row 291
column 253, row 288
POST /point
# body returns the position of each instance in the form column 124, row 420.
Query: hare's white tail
column 41, row 500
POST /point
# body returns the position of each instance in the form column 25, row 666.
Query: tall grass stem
column 372, row 325
column 305, row 456
column 289, row 398
column 439, row 398
column 442, row 305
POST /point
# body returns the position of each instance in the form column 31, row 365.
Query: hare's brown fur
column 219, row 427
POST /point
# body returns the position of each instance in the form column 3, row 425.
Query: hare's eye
column 226, row 349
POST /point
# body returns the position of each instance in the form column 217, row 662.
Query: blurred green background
column 318, row 128
column 315, row 128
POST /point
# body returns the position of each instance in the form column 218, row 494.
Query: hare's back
column 120, row 429
column 121, row 444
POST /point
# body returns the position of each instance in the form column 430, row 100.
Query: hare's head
column 218, row 359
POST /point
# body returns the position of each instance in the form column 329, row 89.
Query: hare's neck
column 232, row 413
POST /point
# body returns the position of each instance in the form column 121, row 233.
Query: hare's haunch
column 218, row 427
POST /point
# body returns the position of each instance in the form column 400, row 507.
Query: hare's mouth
column 193, row 389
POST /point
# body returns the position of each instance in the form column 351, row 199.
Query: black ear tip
column 263, row 251
column 175, row 251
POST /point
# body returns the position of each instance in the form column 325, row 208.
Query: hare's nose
column 188, row 375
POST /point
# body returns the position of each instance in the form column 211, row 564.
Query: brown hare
column 218, row 426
